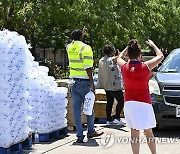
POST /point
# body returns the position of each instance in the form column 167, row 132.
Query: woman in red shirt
column 138, row 109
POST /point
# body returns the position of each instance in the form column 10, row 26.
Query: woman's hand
column 150, row 43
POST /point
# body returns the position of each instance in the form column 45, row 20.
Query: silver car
column 165, row 91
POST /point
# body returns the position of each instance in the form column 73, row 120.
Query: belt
column 80, row 79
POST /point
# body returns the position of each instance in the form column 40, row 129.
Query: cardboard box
column 63, row 82
column 70, row 119
column 100, row 91
column 70, row 104
column 100, row 109
column 100, row 114
column 100, row 105
column 100, row 95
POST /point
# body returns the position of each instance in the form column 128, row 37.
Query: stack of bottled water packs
column 47, row 101
column 13, row 85
column 29, row 99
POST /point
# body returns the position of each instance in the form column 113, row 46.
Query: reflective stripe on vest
column 81, row 60
column 77, row 69
column 88, row 57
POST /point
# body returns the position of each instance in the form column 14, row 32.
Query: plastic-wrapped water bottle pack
column 13, row 89
column 47, row 105
column 47, row 102
column 29, row 99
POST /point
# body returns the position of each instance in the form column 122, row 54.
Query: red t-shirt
column 136, row 77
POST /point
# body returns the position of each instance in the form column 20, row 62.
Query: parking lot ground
column 115, row 140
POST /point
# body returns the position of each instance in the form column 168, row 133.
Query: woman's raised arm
column 156, row 60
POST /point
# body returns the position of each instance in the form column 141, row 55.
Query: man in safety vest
column 81, row 62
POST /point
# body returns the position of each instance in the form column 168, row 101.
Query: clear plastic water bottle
column 36, row 137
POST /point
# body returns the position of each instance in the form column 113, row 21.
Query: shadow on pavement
column 115, row 127
column 89, row 143
column 53, row 140
column 167, row 131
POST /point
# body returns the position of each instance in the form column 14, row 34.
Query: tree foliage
column 50, row 22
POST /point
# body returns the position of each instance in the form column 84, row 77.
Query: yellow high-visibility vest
column 80, row 57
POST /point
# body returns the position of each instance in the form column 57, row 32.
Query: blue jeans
column 79, row 88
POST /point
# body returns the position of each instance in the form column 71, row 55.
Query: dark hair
column 134, row 49
column 107, row 50
column 76, row 34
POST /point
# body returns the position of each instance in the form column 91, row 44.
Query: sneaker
column 109, row 123
column 95, row 134
column 118, row 122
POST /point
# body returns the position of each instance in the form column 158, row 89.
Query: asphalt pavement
column 115, row 140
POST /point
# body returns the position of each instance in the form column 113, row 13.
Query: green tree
column 47, row 23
